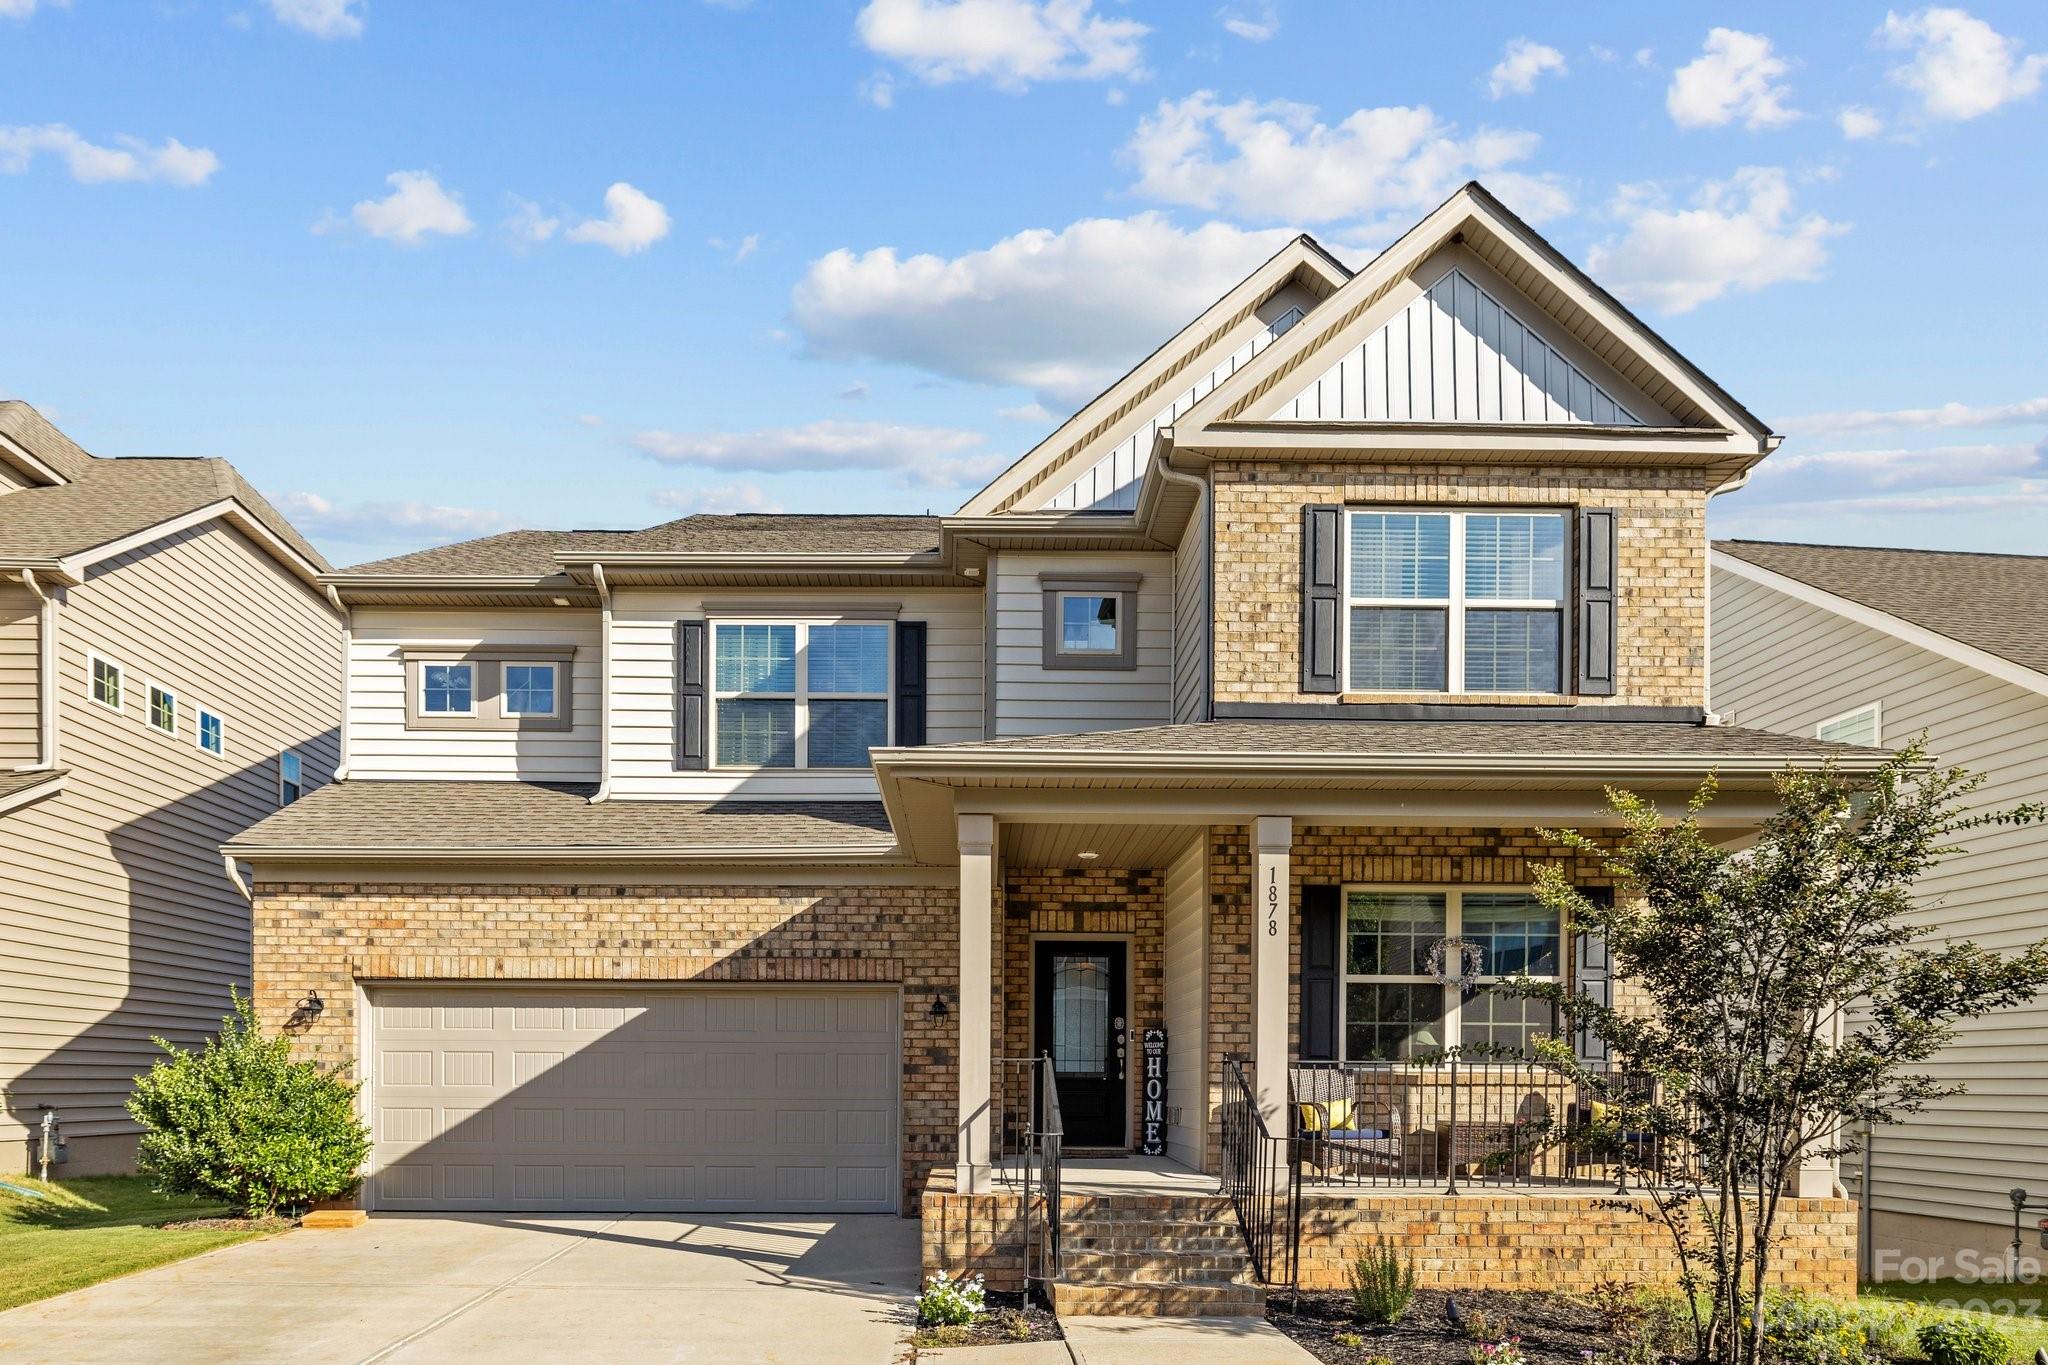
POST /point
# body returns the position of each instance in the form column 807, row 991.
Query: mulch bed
column 1010, row 1319
column 1553, row 1328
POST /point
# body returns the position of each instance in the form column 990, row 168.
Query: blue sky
column 426, row 271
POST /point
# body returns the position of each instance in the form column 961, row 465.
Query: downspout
column 46, row 672
column 1208, row 504
column 347, row 678
column 604, row 687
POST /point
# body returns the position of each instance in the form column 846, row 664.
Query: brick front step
column 1140, row 1299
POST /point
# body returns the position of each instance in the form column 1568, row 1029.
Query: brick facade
column 1661, row 639
column 324, row 939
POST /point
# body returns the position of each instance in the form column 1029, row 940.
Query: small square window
column 213, row 736
column 163, row 710
column 448, row 689
column 290, row 782
column 106, row 682
column 529, row 690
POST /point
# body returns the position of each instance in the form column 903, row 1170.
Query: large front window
column 1455, row 601
column 793, row 694
column 1400, row 942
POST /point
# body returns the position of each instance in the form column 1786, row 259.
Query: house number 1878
column 1272, row 902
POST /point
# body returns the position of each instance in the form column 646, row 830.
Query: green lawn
column 2018, row 1310
column 93, row 1229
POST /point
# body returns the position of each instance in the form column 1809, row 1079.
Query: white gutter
column 347, row 676
column 604, row 686
column 46, row 672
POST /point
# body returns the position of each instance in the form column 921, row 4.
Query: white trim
column 421, row 701
column 2005, row 670
column 149, row 691
column 800, row 698
column 199, row 718
column 1875, row 710
column 554, row 669
column 120, row 703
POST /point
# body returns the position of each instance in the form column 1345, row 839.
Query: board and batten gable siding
column 1191, row 618
column 1185, row 955
column 643, row 689
column 117, row 917
column 19, row 654
column 1782, row 664
column 379, row 744
column 1031, row 699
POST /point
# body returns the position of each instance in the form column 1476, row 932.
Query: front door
column 1079, row 1007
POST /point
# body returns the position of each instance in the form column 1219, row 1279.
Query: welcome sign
column 1153, row 1128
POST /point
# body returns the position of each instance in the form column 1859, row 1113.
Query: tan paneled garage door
column 771, row 1099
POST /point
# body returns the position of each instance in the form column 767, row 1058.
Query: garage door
column 699, row 1099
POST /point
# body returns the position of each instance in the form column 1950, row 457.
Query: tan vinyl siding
column 1034, row 700
column 1191, row 618
column 117, row 916
column 381, row 747
column 18, row 657
column 644, row 688
column 1782, row 664
column 1186, row 964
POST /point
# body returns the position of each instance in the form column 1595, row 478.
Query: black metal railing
column 1262, row 1178
column 1029, row 1135
column 1459, row 1122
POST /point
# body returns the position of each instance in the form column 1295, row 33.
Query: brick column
column 977, row 839
column 1272, row 914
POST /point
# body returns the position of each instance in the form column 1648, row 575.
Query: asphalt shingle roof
column 400, row 815
column 1991, row 602
column 533, row 552
column 1407, row 738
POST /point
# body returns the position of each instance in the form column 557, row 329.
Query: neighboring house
column 740, row 863
column 170, row 673
column 1877, row 647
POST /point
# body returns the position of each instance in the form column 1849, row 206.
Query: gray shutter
column 690, row 697
column 1596, row 602
column 1321, row 941
column 1321, row 599
column 910, row 682
column 1592, row 975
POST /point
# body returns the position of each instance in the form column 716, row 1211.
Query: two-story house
column 170, row 673
column 745, row 862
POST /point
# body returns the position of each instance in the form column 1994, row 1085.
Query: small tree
column 240, row 1121
column 1789, row 1001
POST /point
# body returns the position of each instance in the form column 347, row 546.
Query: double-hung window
column 1464, row 601
column 1395, row 1004
column 797, row 694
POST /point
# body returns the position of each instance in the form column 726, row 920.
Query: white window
column 290, row 778
column 794, row 694
column 163, row 710
column 1864, row 725
column 530, row 689
column 213, row 733
column 1454, row 601
column 447, row 689
column 1394, row 1006
column 103, row 681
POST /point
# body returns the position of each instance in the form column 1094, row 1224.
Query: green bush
column 240, row 1121
column 1382, row 1283
column 1803, row 1331
column 1965, row 1341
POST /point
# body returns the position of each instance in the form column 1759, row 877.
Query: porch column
column 1272, row 915
column 977, row 837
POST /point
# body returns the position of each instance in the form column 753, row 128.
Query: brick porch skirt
column 1566, row 1242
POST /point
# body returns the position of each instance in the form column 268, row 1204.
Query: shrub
column 947, row 1302
column 1965, row 1341
column 1382, row 1283
column 240, row 1121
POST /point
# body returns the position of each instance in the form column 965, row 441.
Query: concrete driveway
column 415, row 1287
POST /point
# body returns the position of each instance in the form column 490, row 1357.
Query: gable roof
column 1990, row 602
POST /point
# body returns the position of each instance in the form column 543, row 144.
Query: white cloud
column 321, row 18
column 945, row 455
column 416, row 208
column 1936, row 466
column 385, row 523
column 1858, row 122
column 1028, row 412
column 632, row 222
column 170, row 162
column 1253, row 23
column 1948, row 415
column 1276, row 162
column 1059, row 313
column 1734, row 77
column 1008, row 43
column 718, row 498
column 1524, row 63
column 1739, row 233
column 1961, row 67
